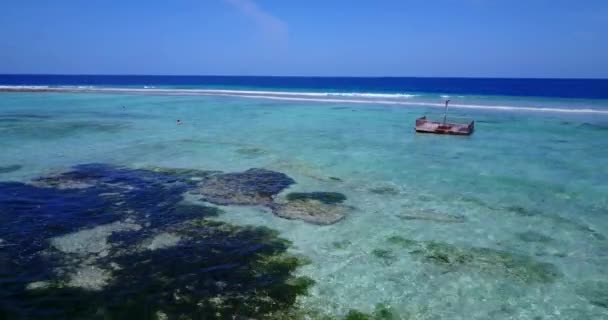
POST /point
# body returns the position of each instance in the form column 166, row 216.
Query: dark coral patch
column 320, row 208
column 260, row 186
column 251, row 187
column 10, row 168
column 311, row 211
column 596, row 292
column 215, row 270
column 27, row 127
column 381, row 312
column 324, row 197
column 386, row 256
column 533, row 236
column 518, row 267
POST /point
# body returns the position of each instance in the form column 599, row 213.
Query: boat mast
column 445, row 114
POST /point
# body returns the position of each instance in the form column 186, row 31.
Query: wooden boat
column 425, row 125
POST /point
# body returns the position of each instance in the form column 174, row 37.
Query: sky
column 424, row 38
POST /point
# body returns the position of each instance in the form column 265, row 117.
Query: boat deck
column 424, row 125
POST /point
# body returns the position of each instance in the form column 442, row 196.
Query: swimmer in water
column 179, row 122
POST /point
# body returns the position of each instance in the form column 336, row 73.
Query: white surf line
column 311, row 94
column 218, row 91
column 429, row 104
column 290, row 96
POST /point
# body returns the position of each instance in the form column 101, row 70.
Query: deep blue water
column 558, row 88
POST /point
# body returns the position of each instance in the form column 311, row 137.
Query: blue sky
column 471, row 38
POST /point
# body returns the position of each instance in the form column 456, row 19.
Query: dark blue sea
column 550, row 88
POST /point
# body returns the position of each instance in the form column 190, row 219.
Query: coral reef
column 596, row 292
column 251, row 152
column 251, row 187
column 323, row 197
column 381, row 312
column 533, row 236
column 259, row 186
column 501, row 263
column 106, row 242
column 385, row 190
column 387, row 256
column 432, row 215
column 320, row 208
column 10, row 168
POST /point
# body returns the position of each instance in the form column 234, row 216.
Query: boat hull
column 460, row 129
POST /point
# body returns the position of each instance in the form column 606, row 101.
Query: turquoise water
column 531, row 184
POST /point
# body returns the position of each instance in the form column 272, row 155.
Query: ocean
column 301, row 198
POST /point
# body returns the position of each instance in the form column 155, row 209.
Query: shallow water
column 530, row 184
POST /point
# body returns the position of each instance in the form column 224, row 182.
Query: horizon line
column 295, row 76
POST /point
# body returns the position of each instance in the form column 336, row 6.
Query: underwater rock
column 387, row 256
column 10, row 168
column 524, row 212
column 581, row 227
column 324, row 197
column 596, row 292
column 10, row 117
column 342, row 244
column 490, row 261
column 251, row 187
column 195, row 210
column 251, row 152
column 401, row 241
column 91, row 241
column 48, row 273
column 161, row 241
column 357, row 315
column 558, row 220
column 215, row 271
column 594, row 126
column 311, row 211
column 88, row 277
column 38, row 285
column 121, row 178
column 185, row 173
column 522, row 268
column 62, row 183
column 51, row 129
column 301, row 168
column 431, row 215
column 533, row 236
column 320, row 208
column 381, row 312
column 385, row 190
column 384, row 312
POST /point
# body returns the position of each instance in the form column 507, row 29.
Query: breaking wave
column 329, row 97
